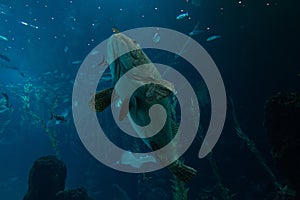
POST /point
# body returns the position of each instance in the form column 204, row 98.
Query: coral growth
column 180, row 191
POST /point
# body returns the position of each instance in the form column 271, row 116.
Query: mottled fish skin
column 146, row 96
column 125, row 54
column 119, row 62
column 153, row 90
column 139, row 112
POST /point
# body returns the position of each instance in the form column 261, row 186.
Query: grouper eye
column 134, row 54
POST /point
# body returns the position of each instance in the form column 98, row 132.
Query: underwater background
column 43, row 43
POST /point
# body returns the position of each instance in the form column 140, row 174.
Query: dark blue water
column 257, row 56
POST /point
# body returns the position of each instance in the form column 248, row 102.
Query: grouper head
column 127, row 60
column 123, row 54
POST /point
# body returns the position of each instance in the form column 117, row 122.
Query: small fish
column 183, row 15
column 3, row 38
column 3, row 57
column 214, row 37
column 56, row 119
column 5, row 96
column 196, row 32
column 23, row 23
column 119, row 103
column 22, row 74
column 106, row 78
column 156, row 38
column 26, row 24
column 4, row 103
column 76, row 62
column 47, row 73
column 115, row 30
column 66, row 49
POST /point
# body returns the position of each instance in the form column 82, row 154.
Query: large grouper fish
column 153, row 90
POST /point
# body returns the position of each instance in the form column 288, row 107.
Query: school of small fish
column 197, row 30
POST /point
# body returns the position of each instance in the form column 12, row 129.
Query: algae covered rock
column 47, row 182
column 46, row 177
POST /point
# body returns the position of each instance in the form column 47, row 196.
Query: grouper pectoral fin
column 124, row 109
column 182, row 171
column 101, row 100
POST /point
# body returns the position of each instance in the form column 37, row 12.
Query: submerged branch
column 252, row 147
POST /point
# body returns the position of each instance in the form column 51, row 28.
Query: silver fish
column 3, row 38
column 211, row 38
column 76, row 62
column 196, row 30
column 183, row 15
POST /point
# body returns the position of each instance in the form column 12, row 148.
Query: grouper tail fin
column 101, row 100
column 182, row 171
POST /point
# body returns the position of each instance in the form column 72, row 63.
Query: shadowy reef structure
column 73, row 194
column 282, row 120
column 47, row 181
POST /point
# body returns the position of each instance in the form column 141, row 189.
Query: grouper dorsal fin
column 157, row 91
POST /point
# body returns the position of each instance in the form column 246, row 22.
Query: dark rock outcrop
column 282, row 120
column 47, row 182
column 73, row 194
column 46, row 177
